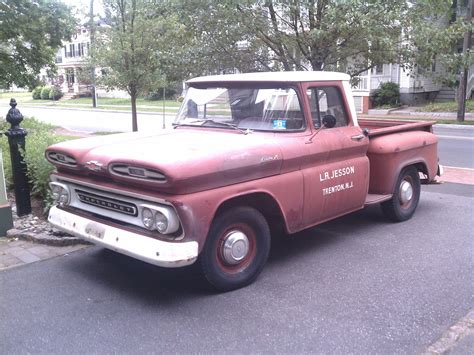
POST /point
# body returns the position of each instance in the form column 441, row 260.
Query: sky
column 83, row 6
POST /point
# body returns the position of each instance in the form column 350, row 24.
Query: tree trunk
column 317, row 65
column 465, row 71
column 133, row 99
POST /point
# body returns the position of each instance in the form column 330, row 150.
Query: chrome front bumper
column 153, row 251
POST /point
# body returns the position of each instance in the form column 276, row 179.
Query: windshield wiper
column 205, row 121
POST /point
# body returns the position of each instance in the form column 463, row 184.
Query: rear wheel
column 236, row 248
column 405, row 198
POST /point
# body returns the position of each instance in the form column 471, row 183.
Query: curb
column 455, row 126
column 439, row 115
column 45, row 238
column 463, row 329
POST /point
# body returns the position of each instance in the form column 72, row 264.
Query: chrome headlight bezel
column 60, row 193
column 161, row 214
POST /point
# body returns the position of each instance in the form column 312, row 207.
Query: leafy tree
column 328, row 34
column 439, row 41
column 30, row 34
column 350, row 35
column 218, row 40
column 135, row 45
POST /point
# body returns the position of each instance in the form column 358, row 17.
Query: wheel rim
column 236, row 248
column 406, row 192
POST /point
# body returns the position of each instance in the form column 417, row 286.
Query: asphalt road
column 456, row 145
column 359, row 284
column 91, row 121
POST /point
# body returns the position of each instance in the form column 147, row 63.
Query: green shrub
column 45, row 93
column 39, row 137
column 387, row 94
column 55, row 93
column 4, row 125
column 36, row 93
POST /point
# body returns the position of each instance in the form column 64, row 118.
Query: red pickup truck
column 247, row 152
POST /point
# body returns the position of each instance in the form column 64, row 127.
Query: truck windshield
column 274, row 109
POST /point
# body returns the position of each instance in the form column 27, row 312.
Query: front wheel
column 405, row 198
column 236, row 248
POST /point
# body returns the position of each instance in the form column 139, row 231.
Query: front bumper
column 153, row 251
column 440, row 170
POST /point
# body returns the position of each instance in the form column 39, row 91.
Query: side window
column 326, row 101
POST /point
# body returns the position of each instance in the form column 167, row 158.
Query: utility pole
column 465, row 71
column 164, row 98
column 91, row 51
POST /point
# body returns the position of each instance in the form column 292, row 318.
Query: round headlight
column 147, row 218
column 161, row 222
column 63, row 197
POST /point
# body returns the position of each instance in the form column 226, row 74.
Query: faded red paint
column 312, row 175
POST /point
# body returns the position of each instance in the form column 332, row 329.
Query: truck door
column 336, row 173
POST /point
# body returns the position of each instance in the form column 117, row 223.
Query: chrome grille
column 137, row 172
column 107, row 203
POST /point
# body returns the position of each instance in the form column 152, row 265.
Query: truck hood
column 175, row 161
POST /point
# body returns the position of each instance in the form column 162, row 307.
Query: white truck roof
column 287, row 76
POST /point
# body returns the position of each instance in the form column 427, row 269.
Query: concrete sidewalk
column 16, row 252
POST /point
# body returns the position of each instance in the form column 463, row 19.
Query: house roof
column 288, row 76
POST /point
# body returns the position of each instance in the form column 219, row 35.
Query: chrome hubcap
column 236, row 247
column 406, row 192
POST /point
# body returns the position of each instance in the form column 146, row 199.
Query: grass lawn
column 104, row 104
column 16, row 95
column 445, row 107
column 106, row 101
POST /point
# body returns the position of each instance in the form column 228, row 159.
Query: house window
column 378, row 70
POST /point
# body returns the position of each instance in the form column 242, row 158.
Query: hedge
column 40, row 136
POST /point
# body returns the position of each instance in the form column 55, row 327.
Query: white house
column 70, row 60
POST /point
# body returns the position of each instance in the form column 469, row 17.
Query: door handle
column 358, row 137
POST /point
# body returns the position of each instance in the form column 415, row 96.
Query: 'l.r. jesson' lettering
column 336, row 173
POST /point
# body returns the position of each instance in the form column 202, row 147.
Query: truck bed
column 395, row 144
column 382, row 127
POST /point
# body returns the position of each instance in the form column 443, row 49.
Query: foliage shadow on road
column 156, row 285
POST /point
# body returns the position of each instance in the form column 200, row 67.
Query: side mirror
column 329, row 121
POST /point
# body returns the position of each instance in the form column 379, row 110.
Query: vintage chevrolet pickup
column 247, row 152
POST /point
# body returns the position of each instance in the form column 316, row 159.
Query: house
column 415, row 88
column 71, row 61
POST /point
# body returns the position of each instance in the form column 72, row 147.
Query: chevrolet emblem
column 93, row 165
